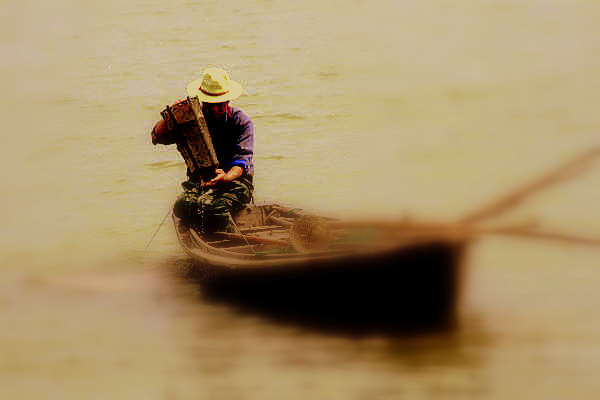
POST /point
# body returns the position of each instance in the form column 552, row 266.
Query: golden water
column 380, row 108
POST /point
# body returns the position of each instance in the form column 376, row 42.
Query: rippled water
column 379, row 108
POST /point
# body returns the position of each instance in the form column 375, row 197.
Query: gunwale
column 201, row 250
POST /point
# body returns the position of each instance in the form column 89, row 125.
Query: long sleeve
column 161, row 134
column 244, row 146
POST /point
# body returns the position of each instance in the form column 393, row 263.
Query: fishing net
column 310, row 233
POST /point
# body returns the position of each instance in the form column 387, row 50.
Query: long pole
column 563, row 172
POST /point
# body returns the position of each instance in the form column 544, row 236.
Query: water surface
column 380, row 108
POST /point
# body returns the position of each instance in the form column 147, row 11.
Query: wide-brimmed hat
column 215, row 86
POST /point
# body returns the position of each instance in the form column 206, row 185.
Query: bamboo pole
column 566, row 171
column 462, row 230
column 536, row 234
column 469, row 226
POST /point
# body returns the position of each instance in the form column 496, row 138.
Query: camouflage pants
column 209, row 209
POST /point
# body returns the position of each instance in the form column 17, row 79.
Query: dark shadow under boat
column 407, row 288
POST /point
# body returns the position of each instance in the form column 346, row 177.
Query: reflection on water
column 318, row 344
column 150, row 334
column 415, row 290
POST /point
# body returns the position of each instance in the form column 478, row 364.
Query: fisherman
column 208, row 203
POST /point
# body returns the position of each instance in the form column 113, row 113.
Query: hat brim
column 235, row 91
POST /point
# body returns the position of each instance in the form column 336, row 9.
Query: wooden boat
column 376, row 274
column 285, row 260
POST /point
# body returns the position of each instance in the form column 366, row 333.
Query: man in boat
column 207, row 203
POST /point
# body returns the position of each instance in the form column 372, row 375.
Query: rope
column 241, row 233
column 158, row 228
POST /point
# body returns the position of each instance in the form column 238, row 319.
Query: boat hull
column 411, row 287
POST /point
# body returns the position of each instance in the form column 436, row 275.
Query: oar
column 458, row 232
column 461, row 230
column 415, row 226
column 536, row 234
column 565, row 171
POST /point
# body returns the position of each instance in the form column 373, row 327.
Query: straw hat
column 214, row 87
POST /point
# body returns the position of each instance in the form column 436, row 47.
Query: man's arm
column 243, row 157
column 161, row 134
column 244, row 145
column 234, row 173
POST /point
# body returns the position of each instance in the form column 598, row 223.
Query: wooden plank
column 237, row 248
column 262, row 228
column 280, row 221
column 217, row 242
column 251, row 238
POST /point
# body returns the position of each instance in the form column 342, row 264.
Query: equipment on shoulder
column 185, row 118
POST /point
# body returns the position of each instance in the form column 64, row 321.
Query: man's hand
column 220, row 176
column 234, row 172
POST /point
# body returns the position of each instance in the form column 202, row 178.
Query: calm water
column 379, row 108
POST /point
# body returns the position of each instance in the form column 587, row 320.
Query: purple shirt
column 233, row 140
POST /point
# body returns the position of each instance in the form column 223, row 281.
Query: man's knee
column 215, row 214
column 214, row 205
column 211, row 210
column 186, row 206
